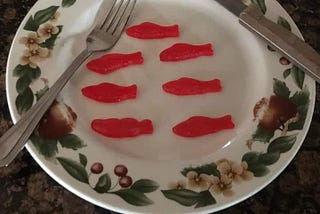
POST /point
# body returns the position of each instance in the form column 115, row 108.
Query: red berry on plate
column 284, row 61
column 97, row 168
column 125, row 181
column 120, row 170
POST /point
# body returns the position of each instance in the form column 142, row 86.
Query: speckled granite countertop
column 26, row 188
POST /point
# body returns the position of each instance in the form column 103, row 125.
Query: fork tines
column 118, row 16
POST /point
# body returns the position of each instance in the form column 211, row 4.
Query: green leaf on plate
column 303, row 111
column 269, row 158
column 46, row 147
column 256, row 158
column 24, row 101
column 280, row 88
column 209, row 169
column 75, row 169
column 298, row 76
column 83, row 160
column 205, row 199
column 133, row 197
column 261, row 4
column 31, row 25
column 19, row 70
column 104, row 184
column 40, row 17
column 282, row 144
column 68, row 3
column 145, row 185
column 259, row 170
column 50, row 43
column 45, row 15
column 71, row 141
column 251, row 158
column 34, row 73
column 26, row 70
column 262, row 135
column 184, row 197
column 301, row 100
column 287, row 73
column 284, row 23
column 22, row 84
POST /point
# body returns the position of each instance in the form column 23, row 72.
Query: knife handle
column 295, row 49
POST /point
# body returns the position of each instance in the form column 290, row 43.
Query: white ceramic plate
column 168, row 173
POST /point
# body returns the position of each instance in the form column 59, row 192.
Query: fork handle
column 295, row 49
column 12, row 142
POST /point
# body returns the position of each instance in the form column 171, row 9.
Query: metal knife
column 295, row 49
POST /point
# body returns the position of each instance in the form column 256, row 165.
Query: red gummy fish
column 122, row 128
column 110, row 93
column 149, row 30
column 114, row 61
column 184, row 51
column 188, row 86
column 199, row 126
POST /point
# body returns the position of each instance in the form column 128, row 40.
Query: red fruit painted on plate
column 149, row 30
column 274, row 112
column 122, row 128
column 184, row 51
column 199, row 126
column 284, row 61
column 125, row 181
column 120, row 170
column 96, row 168
column 114, row 61
column 189, row 86
column 58, row 121
column 110, row 93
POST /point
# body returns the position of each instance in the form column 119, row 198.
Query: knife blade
column 283, row 40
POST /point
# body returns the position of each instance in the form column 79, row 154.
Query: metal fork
column 102, row 38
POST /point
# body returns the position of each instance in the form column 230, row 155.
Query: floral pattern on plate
column 43, row 31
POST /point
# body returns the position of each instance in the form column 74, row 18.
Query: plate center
column 235, row 62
